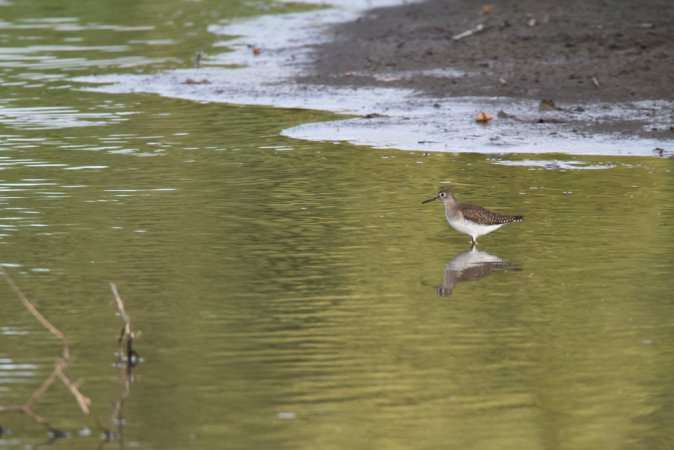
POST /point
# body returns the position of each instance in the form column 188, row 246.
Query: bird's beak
column 429, row 200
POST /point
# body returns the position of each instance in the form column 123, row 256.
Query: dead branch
column 82, row 401
column 129, row 360
column 57, row 373
column 127, row 331
column 122, row 311
column 46, row 384
column 34, row 311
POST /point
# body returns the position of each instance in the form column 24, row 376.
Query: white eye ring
column 443, row 195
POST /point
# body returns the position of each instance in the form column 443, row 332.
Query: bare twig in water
column 130, row 359
column 57, row 373
column 127, row 331
column 37, row 314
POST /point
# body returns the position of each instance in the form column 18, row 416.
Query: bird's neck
column 450, row 207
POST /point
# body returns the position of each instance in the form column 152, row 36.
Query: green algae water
column 297, row 295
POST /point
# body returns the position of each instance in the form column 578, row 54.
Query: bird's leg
column 473, row 243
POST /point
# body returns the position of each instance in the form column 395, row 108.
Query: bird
column 473, row 220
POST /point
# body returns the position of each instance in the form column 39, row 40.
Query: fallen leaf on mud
column 486, row 10
column 547, row 104
column 483, row 117
column 671, row 128
column 347, row 74
column 373, row 115
column 504, row 115
column 257, row 51
column 191, row 81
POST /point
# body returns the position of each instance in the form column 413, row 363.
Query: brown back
column 483, row 216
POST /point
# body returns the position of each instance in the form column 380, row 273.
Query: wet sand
column 571, row 53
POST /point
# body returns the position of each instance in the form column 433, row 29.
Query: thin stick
column 83, row 401
column 118, row 406
column 46, row 384
column 58, row 372
column 126, row 367
column 37, row 314
column 478, row 28
column 27, row 408
column 122, row 311
column 41, row 421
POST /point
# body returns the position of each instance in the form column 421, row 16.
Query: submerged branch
column 129, row 359
column 57, row 373
column 83, row 401
column 126, row 331
column 46, row 384
column 37, row 314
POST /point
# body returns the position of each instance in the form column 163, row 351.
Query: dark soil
column 569, row 51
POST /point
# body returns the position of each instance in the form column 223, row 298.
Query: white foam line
column 409, row 122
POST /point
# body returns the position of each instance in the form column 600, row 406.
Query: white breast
column 471, row 228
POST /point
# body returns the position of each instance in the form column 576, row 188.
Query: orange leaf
column 486, row 10
column 483, row 117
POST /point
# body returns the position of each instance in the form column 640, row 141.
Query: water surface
column 287, row 291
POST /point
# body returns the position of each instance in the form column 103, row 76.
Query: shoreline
column 565, row 57
column 393, row 106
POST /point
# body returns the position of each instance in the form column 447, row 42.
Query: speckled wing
column 483, row 216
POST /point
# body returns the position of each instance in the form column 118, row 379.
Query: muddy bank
column 571, row 52
column 540, row 48
column 406, row 84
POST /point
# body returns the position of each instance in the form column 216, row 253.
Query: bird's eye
column 442, row 195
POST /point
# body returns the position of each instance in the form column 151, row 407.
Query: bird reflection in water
column 471, row 265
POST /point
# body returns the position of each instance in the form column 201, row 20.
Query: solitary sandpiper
column 471, row 219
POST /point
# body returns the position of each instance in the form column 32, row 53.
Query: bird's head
column 444, row 195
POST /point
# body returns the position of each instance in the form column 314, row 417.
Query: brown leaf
column 486, row 10
column 547, row 104
column 483, row 117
